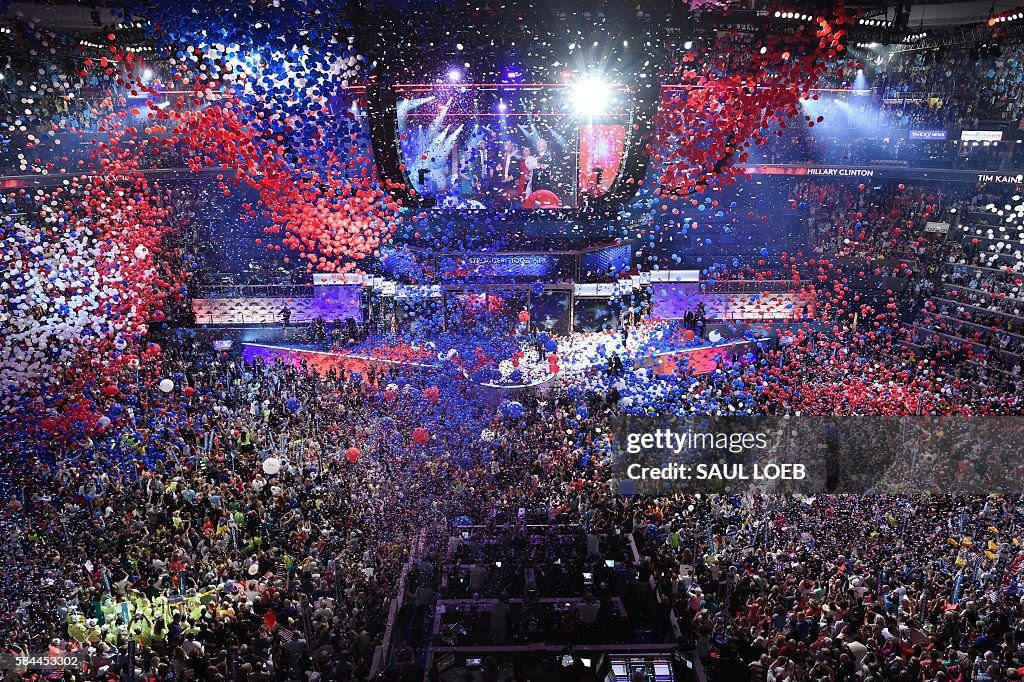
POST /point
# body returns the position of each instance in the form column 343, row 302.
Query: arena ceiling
column 78, row 16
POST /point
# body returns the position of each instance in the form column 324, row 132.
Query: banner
column 941, row 228
column 888, row 173
column 927, row 135
column 981, row 135
column 508, row 265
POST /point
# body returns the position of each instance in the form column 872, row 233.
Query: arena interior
column 495, row 341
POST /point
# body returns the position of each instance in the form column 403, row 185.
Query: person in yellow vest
column 246, row 442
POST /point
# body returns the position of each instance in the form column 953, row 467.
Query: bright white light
column 147, row 74
column 687, row 45
column 502, row 107
column 454, row 75
column 590, row 96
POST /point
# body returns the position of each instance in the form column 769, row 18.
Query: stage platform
column 323, row 362
column 579, row 354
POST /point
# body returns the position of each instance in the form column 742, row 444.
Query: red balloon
column 689, row 334
column 432, row 393
column 353, row 455
column 420, row 435
column 189, row 391
column 542, row 198
column 111, row 390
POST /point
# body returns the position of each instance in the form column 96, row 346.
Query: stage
column 323, row 362
column 578, row 354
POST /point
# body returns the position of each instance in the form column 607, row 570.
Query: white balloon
column 166, row 385
column 271, row 466
column 714, row 336
column 141, row 251
column 505, row 367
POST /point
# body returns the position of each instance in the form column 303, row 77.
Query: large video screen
column 496, row 147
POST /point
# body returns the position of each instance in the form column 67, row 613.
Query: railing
column 984, row 327
column 1001, row 271
column 990, row 294
column 382, row 655
column 986, row 350
column 997, row 313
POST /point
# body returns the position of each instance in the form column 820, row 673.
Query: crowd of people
column 172, row 533
column 846, row 220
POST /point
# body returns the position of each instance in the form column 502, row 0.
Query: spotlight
column 590, row 96
column 454, row 75
column 147, row 74
column 502, row 107
column 687, row 45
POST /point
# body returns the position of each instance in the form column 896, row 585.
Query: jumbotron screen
column 526, row 147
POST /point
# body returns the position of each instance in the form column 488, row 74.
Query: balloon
column 420, row 435
column 188, row 391
column 353, row 454
column 689, row 334
column 542, row 198
column 513, row 409
column 432, row 394
column 166, row 385
column 110, row 390
column 271, row 466
column 293, row 405
column 714, row 336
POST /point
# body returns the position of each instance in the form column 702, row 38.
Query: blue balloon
column 512, row 409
